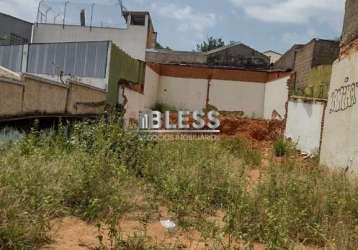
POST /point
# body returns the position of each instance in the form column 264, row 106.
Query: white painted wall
column 151, row 88
column 303, row 126
column 238, row 96
column 340, row 137
column 276, row 96
column 274, row 57
column 132, row 40
column 135, row 104
column 183, row 93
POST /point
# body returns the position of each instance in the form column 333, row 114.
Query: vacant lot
column 96, row 186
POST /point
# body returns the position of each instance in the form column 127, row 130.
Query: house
column 234, row 78
column 234, row 55
column 175, row 57
column 238, row 55
column 138, row 35
column 273, row 55
column 311, row 65
column 14, row 31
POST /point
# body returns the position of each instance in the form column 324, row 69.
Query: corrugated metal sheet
column 83, row 59
column 11, row 57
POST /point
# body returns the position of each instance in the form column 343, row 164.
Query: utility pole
column 64, row 13
column 92, row 10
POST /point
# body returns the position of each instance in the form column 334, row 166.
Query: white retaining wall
column 340, row 137
column 304, row 123
column 276, row 96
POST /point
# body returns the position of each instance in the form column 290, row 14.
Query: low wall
column 340, row 142
column 37, row 96
column 85, row 99
column 44, row 97
column 276, row 96
column 304, row 124
column 11, row 92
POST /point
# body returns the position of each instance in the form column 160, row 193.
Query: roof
column 223, row 48
column 272, row 51
column 175, row 51
column 18, row 19
column 230, row 46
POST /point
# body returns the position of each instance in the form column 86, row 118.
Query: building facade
column 14, row 31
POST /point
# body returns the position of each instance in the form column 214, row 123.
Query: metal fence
column 11, row 57
column 83, row 59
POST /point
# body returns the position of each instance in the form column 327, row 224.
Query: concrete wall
column 191, row 94
column 339, row 142
column 10, row 97
column 183, row 93
column 276, row 96
column 247, row 97
column 85, row 99
column 41, row 96
column 350, row 27
column 304, row 124
column 135, row 104
column 132, row 40
column 151, row 88
column 32, row 95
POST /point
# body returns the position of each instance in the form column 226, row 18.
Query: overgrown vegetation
column 163, row 107
column 283, row 147
column 86, row 170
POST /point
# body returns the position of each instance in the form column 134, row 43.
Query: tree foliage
column 210, row 44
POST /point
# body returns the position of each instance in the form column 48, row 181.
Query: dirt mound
column 252, row 129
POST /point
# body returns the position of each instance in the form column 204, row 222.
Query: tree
column 159, row 46
column 210, row 44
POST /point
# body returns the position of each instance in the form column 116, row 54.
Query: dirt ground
column 71, row 233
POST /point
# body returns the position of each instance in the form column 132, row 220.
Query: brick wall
column 303, row 64
column 175, row 57
column 350, row 27
column 326, row 52
column 287, row 61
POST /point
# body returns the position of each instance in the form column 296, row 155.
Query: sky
column 181, row 24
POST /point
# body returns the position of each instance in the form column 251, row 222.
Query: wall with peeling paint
column 340, row 142
column 151, row 88
column 304, row 124
column 276, row 96
column 135, row 104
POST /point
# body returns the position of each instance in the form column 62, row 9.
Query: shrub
column 281, row 147
column 161, row 107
